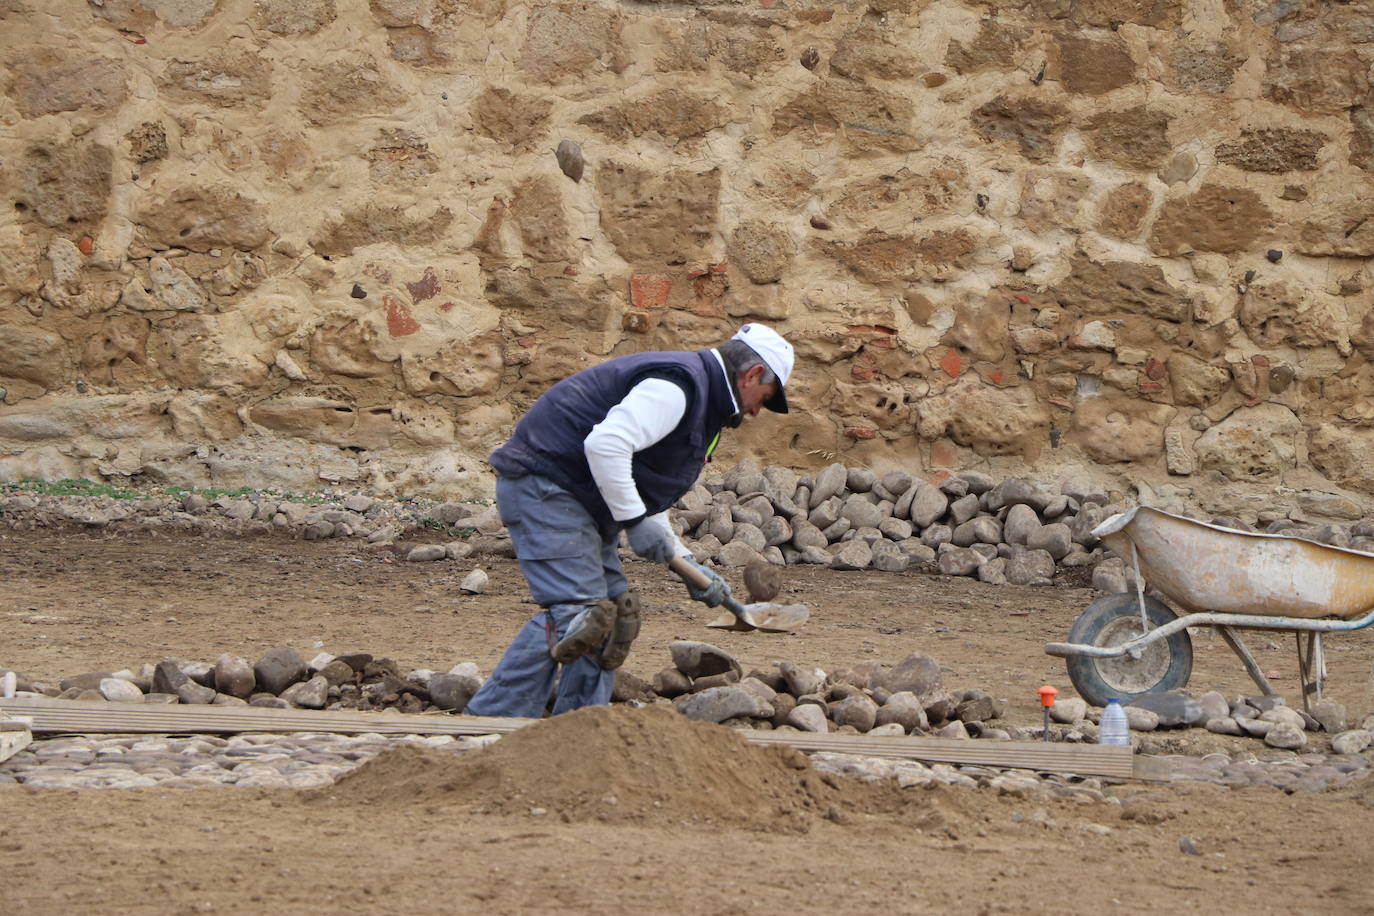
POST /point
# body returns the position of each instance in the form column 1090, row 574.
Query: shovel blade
column 771, row 618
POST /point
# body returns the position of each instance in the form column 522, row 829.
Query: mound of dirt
column 614, row 764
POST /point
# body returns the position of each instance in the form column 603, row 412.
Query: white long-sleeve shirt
column 650, row 411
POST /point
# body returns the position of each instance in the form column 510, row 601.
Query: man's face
column 752, row 392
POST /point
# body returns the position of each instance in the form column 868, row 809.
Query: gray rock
column 897, row 482
column 167, row 677
column 1286, row 737
column 1141, row 720
column 426, row 553
column 224, row 699
column 1068, row 711
column 860, row 480
column 981, row 530
column 805, row 534
column 861, row 513
column 830, row 481
column 918, row 674
column 777, row 531
column 311, row 694
column 808, row 718
column 895, row 529
column 827, row 513
column 977, row 482
column 976, row 709
column 955, row 729
column 737, row 553
column 118, row 690
column 993, row 572
column 1012, row 491
column 857, row 711
column 192, row 693
column 749, row 535
column 320, row 531
column 954, row 487
column 1214, row 706
column 935, row 535
column 279, row 669
column 1109, row 579
column 855, row 554
column 837, row 530
column 817, row 556
column 1284, row 715
column 801, row 681
column 1330, row 715
column 203, row 673
column 160, row 699
column 234, row 676
column 721, row 703
column 928, row 505
column 963, row 509
column 475, row 582
column 451, row 692
column 1020, row 523
column 959, row 561
column 1030, row 567
column 267, row 701
column 699, row 659
column 1175, row 710
column 1224, row 725
column 671, row 682
column 888, row 557
column 902, row 708
column 1354, row 741
column 1255, row 728
column 1056, row 539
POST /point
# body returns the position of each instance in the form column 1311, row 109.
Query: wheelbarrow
column 1129, row 644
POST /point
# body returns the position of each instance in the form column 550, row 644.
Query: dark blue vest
column 548, row 440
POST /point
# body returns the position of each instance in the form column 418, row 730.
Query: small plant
column 70, row 487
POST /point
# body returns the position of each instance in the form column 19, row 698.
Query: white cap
column 776, row 354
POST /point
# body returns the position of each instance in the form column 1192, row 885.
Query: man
column 610, row 449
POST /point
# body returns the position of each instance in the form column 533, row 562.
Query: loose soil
column 563, row 816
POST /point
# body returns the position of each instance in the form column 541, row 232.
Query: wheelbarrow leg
column 1312, row 668
column 1251, row 666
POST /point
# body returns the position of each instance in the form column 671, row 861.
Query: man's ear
column 752, row 374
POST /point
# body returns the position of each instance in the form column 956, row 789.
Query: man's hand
column 650, row 539
column 715, row 593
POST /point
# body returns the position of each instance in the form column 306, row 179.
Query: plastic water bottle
column 1113, row 727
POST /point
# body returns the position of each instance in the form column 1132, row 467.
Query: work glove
column 715, row 593
column 651, row 539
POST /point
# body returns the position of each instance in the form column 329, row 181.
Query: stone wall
column 287, row 242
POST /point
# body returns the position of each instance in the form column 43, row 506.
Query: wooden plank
column 76, row 717
column 14, row 739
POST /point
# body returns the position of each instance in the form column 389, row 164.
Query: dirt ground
column 73, row 602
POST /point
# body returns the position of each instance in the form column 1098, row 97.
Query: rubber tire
column 1093, row 683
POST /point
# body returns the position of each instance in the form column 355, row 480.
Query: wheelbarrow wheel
column 1162, row 665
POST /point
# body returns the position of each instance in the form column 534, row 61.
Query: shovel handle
column 688, row 572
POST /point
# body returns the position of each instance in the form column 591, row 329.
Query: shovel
column 770, row 618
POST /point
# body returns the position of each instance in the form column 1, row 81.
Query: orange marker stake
column 1047, row 695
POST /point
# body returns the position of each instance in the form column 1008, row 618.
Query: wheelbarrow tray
column 1207, row 568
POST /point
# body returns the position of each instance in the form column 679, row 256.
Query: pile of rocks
column 1266, row 717
column 708, row 684
column 852, row 518
column 966, row 524
column 281, row 679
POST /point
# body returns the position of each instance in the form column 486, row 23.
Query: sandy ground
column 73, row 602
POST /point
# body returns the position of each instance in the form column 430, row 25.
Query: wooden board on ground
column 14, row 737
column 76, row 717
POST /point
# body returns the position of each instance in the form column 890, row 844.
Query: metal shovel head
column 770, row 618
